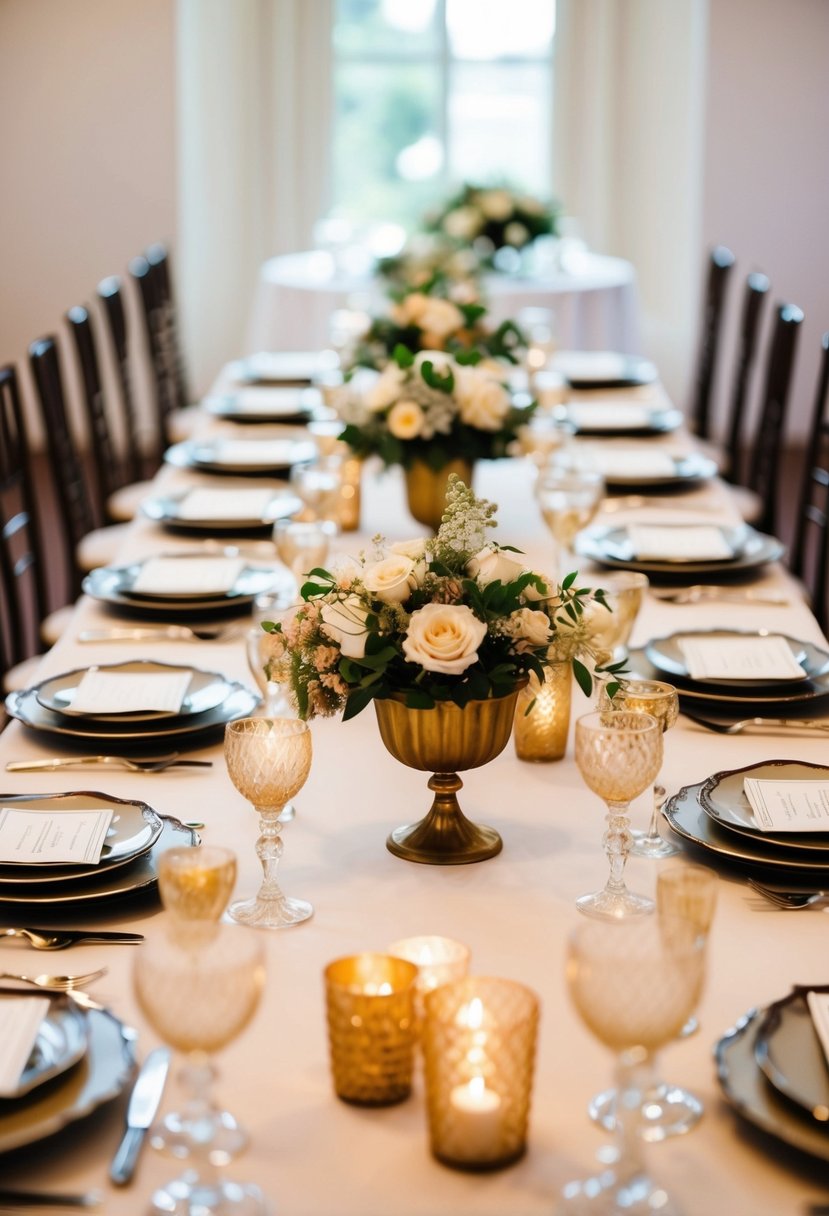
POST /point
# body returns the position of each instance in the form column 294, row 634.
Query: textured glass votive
column 540, row 733
column 439, row 960
column 196, row 884
column 371, row 1027
column 479, row 1048
column 350, row 498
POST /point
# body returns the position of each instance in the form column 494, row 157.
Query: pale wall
column 766, row 182
column 87, row 136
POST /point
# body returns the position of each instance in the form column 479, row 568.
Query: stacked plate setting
column 210, row 701
column 232, row 586
column 744, row 550
column 772, row 1069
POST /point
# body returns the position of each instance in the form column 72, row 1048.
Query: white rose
column 405, row 420
column 532, row 624
column 530, row 593
column 602, row 625
column 440, row 317
column 491, row 564
column 385, row 390
column 441, row 362
column 482, row 401
column 344, row 622
column 463, row 223
column 531, row 205
column 516, row 234
column 444, row 638
column 496, row 204
column 408, row 310
column 415, row 549
column 391, row 579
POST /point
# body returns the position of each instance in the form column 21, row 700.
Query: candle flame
column 471, row 1015
column 476, row 1087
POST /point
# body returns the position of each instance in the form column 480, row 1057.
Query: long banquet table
column 316, row 1156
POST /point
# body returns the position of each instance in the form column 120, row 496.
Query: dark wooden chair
column 764, row 455
column 809, row 558
column 23, row 592
column 756, row 292
column 720, row 264
column 112, row 307
column 153, row 280
column 158, row 257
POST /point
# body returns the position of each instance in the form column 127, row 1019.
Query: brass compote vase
column 444, row 740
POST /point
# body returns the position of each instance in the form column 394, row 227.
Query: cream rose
column 463, row 223
column 415, row 549
column 496, row 205
column 405, row 420
column 391, row 579
column 482, row 401
column 438, row 317
column 385, row 390
column 344, row 622
column 532, row 624
column 516, row 234
column 491, row 564
column 444, row 638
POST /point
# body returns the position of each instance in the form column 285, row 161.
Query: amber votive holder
column 542, row 715
column 439, row 960
column 479, row 1039
column 371, row 1027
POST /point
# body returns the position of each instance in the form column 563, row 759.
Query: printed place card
column 672, row 543
column 635, row 462
column 115, row 692
column 818, row 1003
column 788, row 806
column 40, row 837
column 253, row 452
column 225, row 504
column 610, row 416
column 20, row 1020
column 740, row 659
column 267, row 401
column 188, row 576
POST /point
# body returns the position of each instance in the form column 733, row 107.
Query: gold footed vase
column 444, row 740
column 426, row 489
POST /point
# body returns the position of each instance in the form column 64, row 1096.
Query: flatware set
column 168, row 633
column 778, row 724
column 59, row 939
column 157, row 765
column 792, row 900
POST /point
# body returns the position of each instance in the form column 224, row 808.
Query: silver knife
column 144, row 1102
column 46, row 1199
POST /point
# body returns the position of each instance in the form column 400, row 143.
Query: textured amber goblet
column 444, row 740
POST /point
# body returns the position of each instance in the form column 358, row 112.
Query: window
column 429, row 93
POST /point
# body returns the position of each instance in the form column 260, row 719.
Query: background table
column 593, row 298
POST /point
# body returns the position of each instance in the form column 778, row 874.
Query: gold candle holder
column 350, row 496
column 479, row 1047
column 542, row 715
column 439, row 960
column 371, row 1027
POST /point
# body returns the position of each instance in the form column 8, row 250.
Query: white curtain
column 254, row 87
column 629, row 130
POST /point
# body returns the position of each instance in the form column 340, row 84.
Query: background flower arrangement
column 449, row 619
column 490, row 218
column 432, row 407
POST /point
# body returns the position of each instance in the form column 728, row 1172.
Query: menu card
column 284, row 400
column 635, row 462
column 188, row 576
column 818, row 1003
column 225, row 504
column 672, row 543
column 608, row 416
column 115, row 692
column 736, row 658
column 20, row 1020
column 29, row 837
column 262, row 452
column 788, row 806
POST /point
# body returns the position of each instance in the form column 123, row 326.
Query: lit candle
column 475, row 1134
column 438, row 959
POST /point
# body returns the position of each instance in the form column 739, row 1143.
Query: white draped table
column 316, row 1156
column 593, row 299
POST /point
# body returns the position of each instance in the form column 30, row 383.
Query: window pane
column 385, row 27
column 493, row 29
column 499, row 124
column 387, row 150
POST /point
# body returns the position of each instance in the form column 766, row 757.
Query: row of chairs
column 95, row 491
column 753, row 445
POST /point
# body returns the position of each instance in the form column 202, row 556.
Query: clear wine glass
column 569, row 494
column 618, row 755
column 199, row 993
column 661, row 701
column 303, row 544
column 318, row 484
column 687, row 892
column 634, row 984
column 268, row 760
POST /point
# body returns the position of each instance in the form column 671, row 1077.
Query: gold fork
column 55, row 983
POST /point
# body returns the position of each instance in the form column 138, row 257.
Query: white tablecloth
column 594, row 301
column 316, row 1156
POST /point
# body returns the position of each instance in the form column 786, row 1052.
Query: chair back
column 158, row 257
column 756, row 291
column 23, row 595
column 765, row 454
column 105, row 460
column 112, row 305
column 810, row 551
column 74, row 516
column 720, row 264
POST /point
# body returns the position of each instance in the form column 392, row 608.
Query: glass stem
column 199, row 1114
column 617, row 841
column 652, row 836
column 634, row 1074
column 269, row 850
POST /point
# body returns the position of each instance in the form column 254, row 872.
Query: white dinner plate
column 133, row 830
column 254, row 456
column 752, row 702
column 206, row 690
column 651, row 420
column 789, row 1054
column 611, row 546
column 281, row 403
column 687, row 469
column 166, row 510
column 61, row 1041
column 723, row 798
column 666, row 654
column 113, row 585
column 594, row 369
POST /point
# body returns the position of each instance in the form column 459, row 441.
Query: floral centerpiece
column 430, row 261
column 425, row 320
column 432, row 407
column 457, row 618
column 491, row 218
